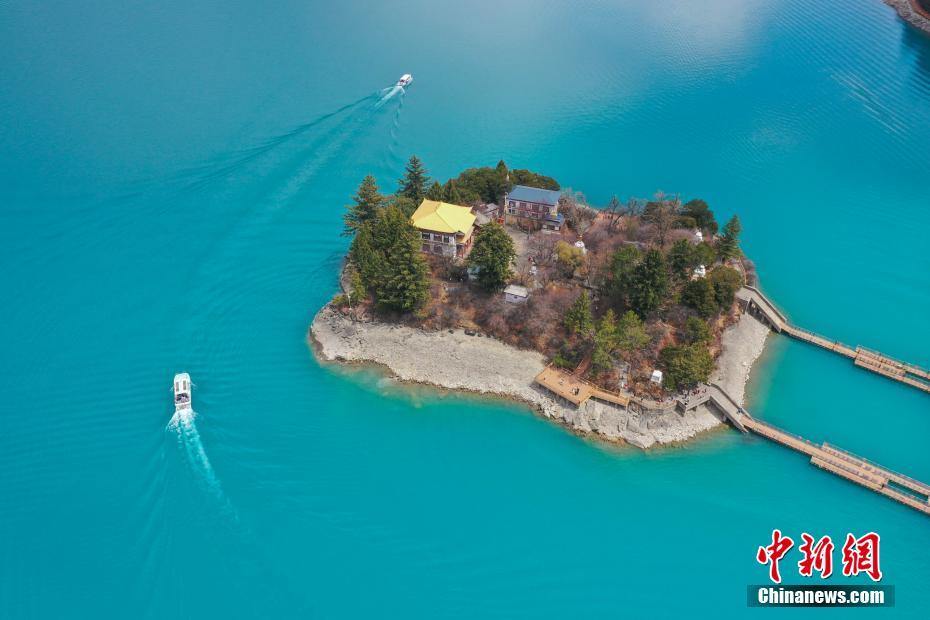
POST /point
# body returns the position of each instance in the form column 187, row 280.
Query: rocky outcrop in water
column 911, row 13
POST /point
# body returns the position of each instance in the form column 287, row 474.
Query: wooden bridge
column 853, row 468
column 759, row 305
column 863, row 472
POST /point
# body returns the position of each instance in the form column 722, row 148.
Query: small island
column 609, row 321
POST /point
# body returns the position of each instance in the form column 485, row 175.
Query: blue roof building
column 534, row 194
column 533, row 208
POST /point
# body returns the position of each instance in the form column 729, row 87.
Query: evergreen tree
column 501, row 170
column 492, row 254
column 696, row 330
column 368, row 201
column 728, row 246
column 649, row 284
column 578, row 318
column 450, row 193
column 415, row 181
column 607, row 330
column 356, row 286
column 435, row 191
column 699, row 295
column 605, row 342
column 619, row 278
column 681, row 259
column 704, row 254
column 703, row 217
column 363, row 255
column 521, row 176
column 406, row 206
column 631, row 333
column 685, row 365
column 725, row 281
column 386, row 252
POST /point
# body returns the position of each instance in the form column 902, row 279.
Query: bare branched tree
column 614, row 211
column 662, row 213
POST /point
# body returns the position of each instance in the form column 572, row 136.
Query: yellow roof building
column 442, row 217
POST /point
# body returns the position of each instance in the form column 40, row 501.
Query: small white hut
column 516, row 294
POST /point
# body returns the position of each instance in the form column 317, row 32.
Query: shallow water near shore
column 171, row 196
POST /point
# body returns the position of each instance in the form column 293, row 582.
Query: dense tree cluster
column 644, row 293
column 685, row 365
column 487, row 184
column 637, row 280
column 717, row 291
column 386, row 253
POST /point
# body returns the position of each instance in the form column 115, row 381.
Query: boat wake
column 390, row 93
column 395, row 127
column 183, row 423
column 210, row 173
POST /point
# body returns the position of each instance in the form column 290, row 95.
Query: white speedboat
column 405, row 80
column 182, row 391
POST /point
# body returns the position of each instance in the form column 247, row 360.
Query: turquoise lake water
column 171, row 191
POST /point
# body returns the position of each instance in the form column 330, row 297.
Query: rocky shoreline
column 911, row 14
column 482, row 365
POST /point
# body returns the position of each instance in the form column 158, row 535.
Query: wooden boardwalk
column 863, row 472
column 898, row 487
column 909, row 374
column 575, row 389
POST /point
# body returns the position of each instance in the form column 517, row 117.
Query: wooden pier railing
column 909, row 374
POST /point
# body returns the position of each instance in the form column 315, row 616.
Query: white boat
column 405, row 80
column 182, row 391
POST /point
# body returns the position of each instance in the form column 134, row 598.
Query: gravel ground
column 487, row 366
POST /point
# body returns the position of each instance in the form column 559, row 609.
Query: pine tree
column 450, row 193
column 434, row 192
column 681, row 258
column 492, row 254
column 699, row 294
column 501, row 169
column 649, row 283
column 404, row 281
column 368, row 201
column 631, row 333
column 703, row 217
column 415, row 181
column 685, row 365
column 386, row 252
column 696, row 330
column 619, row 279
column 605, row 341
column 728, row 246
column 578, row 319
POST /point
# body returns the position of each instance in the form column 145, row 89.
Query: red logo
column 817, row 556
column 772, row 554
column 860, row 555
